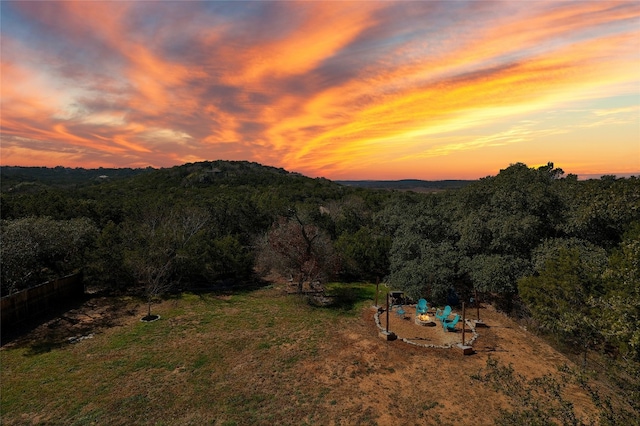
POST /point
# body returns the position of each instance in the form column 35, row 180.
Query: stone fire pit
column 425, row 320
column 422, row 331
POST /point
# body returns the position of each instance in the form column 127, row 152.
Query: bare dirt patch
column 92, row 316
column 398, row 383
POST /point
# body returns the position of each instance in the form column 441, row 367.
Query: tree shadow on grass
column 343, row 297
column 221, row 287
column 69, row 324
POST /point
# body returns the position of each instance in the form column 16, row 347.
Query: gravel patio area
column 405, row 327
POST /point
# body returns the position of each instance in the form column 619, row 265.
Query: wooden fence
column 36, row 301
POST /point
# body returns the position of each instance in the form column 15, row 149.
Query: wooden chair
column 422, row 307
column 442, row 315
column 450, row 325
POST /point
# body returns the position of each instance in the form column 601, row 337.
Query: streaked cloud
column 336, row 89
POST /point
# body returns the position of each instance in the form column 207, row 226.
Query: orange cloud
column 402, row 121
column 323, row 30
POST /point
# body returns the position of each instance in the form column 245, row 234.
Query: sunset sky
column 343, row 90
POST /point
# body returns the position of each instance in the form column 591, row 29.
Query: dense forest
column 561, row 254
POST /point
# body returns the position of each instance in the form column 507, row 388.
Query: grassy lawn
column 209, row 360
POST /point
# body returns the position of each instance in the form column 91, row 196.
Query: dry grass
column 263, row 358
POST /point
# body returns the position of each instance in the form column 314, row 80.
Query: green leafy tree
column 509, row 213
column 600, row 210
column 423, row 259
column 106, row 266
column 619, row 317
column 37, row 249
column 349, row 214
column 496, row 275
column 423, row 268
column 19, row 254
column 558, row 297
column 210, row 260
column 364, row 254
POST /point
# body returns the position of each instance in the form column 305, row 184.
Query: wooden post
column 466, row 350
column 387, row 335
column 478, row 322
column 387, row 313
column 463, row 324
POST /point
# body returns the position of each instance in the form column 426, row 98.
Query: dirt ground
column 433, row 385
column 429, row 334
column 80, row 320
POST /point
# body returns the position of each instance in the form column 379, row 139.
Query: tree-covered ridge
column 415, row 185
column 16, row 178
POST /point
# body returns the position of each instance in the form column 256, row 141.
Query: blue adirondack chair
column 400, row 312
column 443, row 314
column 422, row 307
column 450, row 325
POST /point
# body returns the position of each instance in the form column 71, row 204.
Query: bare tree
column 161, row 237
column 293, row 247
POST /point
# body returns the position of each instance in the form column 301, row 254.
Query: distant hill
column 13, row 176
column 16, row 178
column 414, row 185
column 205, row 173
column 206, row 178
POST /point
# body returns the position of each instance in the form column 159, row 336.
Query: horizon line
column 581, row 176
